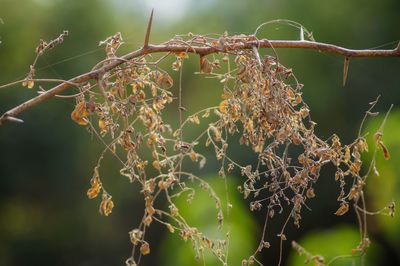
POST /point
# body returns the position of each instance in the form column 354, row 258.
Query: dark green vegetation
column 47, row 163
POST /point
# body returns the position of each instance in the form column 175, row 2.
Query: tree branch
column 224, row 44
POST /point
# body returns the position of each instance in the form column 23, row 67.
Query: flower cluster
column 262, row 105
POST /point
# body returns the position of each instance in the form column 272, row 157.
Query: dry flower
column 344, row 208
column 145, row 248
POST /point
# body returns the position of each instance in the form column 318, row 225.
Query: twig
column 231, row 44
column 39, row 80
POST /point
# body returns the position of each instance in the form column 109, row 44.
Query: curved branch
column 226, row 44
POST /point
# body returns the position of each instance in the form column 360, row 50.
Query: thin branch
column 39, row 81
column 230, row 44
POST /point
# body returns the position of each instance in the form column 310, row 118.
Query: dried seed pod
column 156, row 164
column 171, row 229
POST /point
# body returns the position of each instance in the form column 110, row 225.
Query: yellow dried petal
column 79, row 115
column 102, row 125
column 206, row 114
column 106, row 205
column 182, row 55
column 223, row 106
column 194, row 119
column 145, row 249
column 156, row 165
column 347, row 154
column 193, row 156
column 30, row 84
column 147, row 221
column 94, row 190
column 290, row 93
column 355, row 168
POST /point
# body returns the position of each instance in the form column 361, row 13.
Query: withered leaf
column 164, row 80
column 205, row 65
column 79, row 115
column 386, row 153
column 342, row 209
column 106, row 205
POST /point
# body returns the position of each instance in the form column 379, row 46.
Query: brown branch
column 38, row 81
column 229, row 44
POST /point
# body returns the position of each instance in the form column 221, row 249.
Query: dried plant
column 121, row 101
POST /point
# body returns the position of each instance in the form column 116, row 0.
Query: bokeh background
column 46, row 163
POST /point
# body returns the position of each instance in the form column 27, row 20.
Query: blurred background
column 47, row 162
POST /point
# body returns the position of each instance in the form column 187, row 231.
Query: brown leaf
column 79, row 115
column 386, row 153
column 164, row 80
column 205, row 65
column 378, row 136
column 193, row 156
column 355, row 167
column 94, row 189
column 106, row 204
column 342, row 209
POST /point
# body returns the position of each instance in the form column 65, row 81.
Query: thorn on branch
column 147, row 37
column 255, row 50
column 8, row 118
column 345, row 69
column 301, row 33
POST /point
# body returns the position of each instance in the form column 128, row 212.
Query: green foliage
column 239, row 223
column 335, row 246
column 385, row 188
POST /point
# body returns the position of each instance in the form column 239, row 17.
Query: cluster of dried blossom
column 261, row 104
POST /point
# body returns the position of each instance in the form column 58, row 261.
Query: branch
column 224, row 44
